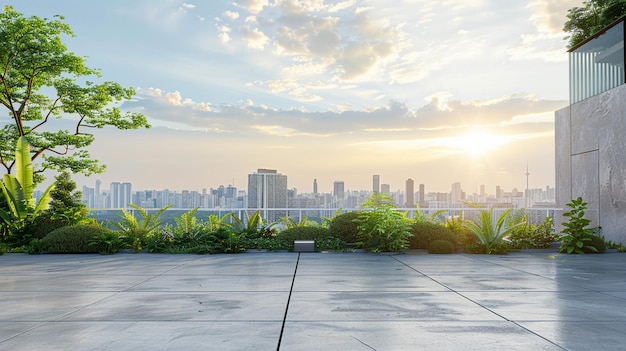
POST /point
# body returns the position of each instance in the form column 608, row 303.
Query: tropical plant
column 132, row 228
column 18, row 195
column 583, row 22
column 42, row 81
column 533, row 236
column 382, row 227
column 491, row 236
column 289, row 222
column 107, row 242
column 435, row 217
column 576, row 234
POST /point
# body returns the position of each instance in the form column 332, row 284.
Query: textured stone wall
column 591, row 160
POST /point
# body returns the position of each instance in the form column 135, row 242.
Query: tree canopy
column 40, row 81
column 585, row 21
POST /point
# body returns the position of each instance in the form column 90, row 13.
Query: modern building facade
column 589, row 133
column 267, row 189
column 410, row 193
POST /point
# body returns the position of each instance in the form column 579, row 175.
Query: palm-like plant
column 491, row 234
column 18, row 190
column 139, row 229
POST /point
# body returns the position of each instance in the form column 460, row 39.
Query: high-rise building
column 456, row 195
column 410, row 193
column 120, row 195
column 339, row 190
column 267, row 189
column 376, row 185
column 314, row 186
column 385, row 189
column 422, row 198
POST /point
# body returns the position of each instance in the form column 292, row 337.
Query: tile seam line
column 293, row 280
column 482, row 306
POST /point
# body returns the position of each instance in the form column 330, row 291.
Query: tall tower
column 410, row 193
column 315, row 186
column 422, row 199
column 268, row 189
column 376, row 184
column 338, row 189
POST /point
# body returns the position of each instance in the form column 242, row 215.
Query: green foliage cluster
column 533, row 236
column 74, row 239
column 583, row 22
column 576, row 236
column 441, row 247
column 490, row 235
column 382, row 227
column 345, row 227
column 42, row 81
column 597, row 243
column 426, row 232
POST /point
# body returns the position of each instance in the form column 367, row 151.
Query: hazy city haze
column 437, row 91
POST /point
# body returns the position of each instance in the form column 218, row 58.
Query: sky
column 439, row 91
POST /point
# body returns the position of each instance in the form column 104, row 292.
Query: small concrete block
column 304, row 245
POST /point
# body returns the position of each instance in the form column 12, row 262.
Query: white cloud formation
column 252, row 6
column 255, row 39
column 231, row 15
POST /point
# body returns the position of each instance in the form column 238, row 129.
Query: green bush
column 44, row 224
column 441, row 247
column 597, row 242
column 344, row 227
column 531, row 236
column 321, row 236
column 426, row 232
column 74, row 239
column 303, row 233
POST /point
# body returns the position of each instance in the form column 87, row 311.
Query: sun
column 477, row 142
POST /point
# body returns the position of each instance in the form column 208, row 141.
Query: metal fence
column 319, row 215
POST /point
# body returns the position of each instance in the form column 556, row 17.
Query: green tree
column 66, row 202
column 583, row 22
column 41, row 81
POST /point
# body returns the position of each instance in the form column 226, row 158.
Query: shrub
column 492, row 235
column 344, row 227
column 73, row 239
column 533, row 236
column 383, row 227
column 44, row 224
column 441, row 247
column 596, row 242
column 303, row 233
column 576, row 235
column 426, row 232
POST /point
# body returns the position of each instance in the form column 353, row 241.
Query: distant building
column 120, row 195
column 410, row 193
column 376, row 183
column 385, row 189
column 338, row 190
column 267, row 189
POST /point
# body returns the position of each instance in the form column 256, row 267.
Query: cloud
column 255, row 39
column 252, row 6
column 231, row 15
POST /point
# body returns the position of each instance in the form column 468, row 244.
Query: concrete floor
column 313, row 301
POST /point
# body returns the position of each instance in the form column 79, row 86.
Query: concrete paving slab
column 153, row 336
column 520, row 301
column 411, row 335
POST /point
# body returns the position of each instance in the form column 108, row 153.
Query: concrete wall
column 591, row 160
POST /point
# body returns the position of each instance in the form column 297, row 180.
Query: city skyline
column 438, row 92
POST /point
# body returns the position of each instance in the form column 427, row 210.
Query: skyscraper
column 338, row 190
column 422, row 198
column 314, row 186
column 376, row 185
column 410, row 193
column 267, row 189
column 120, row 195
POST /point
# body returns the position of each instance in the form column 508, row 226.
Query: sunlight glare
column 477, row 142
